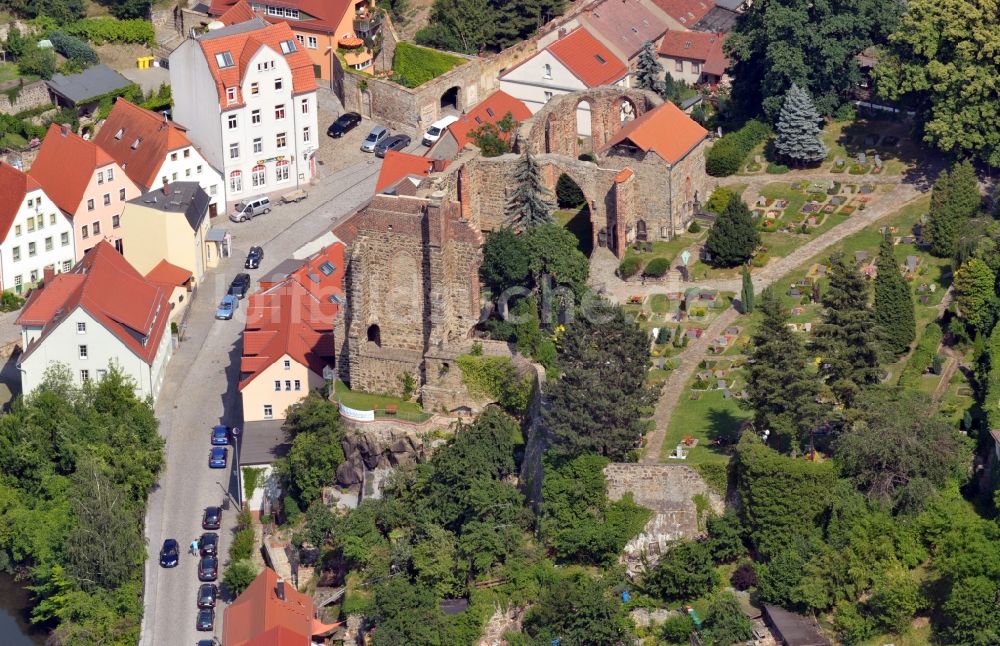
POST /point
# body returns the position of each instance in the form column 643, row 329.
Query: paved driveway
column 200, row 391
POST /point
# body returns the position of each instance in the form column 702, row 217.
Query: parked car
column 437, row 129
column 212, row 518
column 250, row 208
column 220, row 435
column 395, row 142
column 169, row 553
column 344, row 124
column 240, row 285
column 374, row 138
column 208, row 594
column 254, row 257
column 208, row 568
column 217, row 457
column 228, row 305
column 207, row 642
column 208, row 544
column 206, row 620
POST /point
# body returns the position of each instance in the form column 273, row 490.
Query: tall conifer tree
column 733, row 238
column 893, row 302
column 798, row 129
column 746, row 294
column 649, row 70
column 530, row 204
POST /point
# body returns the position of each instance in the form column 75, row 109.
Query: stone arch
column 553, row 128
column 374, row 334
column 595, row 194
column 584, row 124
column 626, row 110
column 451, row 98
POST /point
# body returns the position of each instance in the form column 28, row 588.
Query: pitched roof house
column 401, row 173
column 577, row 61
column 101, row 311
column 270, row 612
column 91, row 190
column 490, row 110
column 665, row 130
column 34, row 234
column 152, row 150
column 694, row 57
column 624, row 26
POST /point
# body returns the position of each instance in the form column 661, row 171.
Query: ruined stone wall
column 31, row 96
column 668, row 490
column 444, row 390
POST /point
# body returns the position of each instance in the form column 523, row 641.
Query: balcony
column 366, row 24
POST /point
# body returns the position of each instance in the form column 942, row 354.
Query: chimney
column 165, row 190
column 64, row 128
column 48, row 274
column 280, row 589
column 562, row 32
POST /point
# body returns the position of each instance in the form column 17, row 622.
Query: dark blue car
column 220, row 435
column 217, row 457
column 169, row 553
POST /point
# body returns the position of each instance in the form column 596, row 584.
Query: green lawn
column 413, row 66
column 577, row 221
column 8, row 72
column 706, row 419
column 668, row 249
column 368, row 401
column 658, row 303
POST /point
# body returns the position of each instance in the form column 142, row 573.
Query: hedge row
column 923, row 355
column 73, row 48
column 108, row 30
column 726, row 155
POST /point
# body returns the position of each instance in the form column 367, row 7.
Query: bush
column 568, row 194
column 37, row 62
column 73, row 48
column 108, row 30
column 238, row 577
column 719, row 200
column 684, row 572
column 243, row 544
column 695, row 227
column 777, row 169
column 846, row 112
column 292, row 511
column 629, row 267
column 923, row 354
column 663, row 336
column 677, row 629
column 413, row 66
column 726, row 155
column 496, row 377
column 657, row 267
column 744, row 577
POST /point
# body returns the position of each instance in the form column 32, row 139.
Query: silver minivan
column 251, row 208
column 374, row 138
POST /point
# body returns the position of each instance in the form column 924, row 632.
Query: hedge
column 629, row 267
column 413, row 66
column 657, row 267
column 726, row 155
column 108, row 30
column 73, row 48
column 923, row 355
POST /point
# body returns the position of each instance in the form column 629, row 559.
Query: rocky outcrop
column 385, row 449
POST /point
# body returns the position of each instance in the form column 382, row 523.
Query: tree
column 677, row 629
column 895, row 601
column 684, row 572
column 780, row 391
column 894, row 313
column 777, row 43
column 970, row 612
column 530, row 203
column 896, row 442
column 16, row 43
column 798, row 129
column 37, row 62
column 596, row 618
column 974, row 295
column 726, row 622
column 568, row 193
column 725, row 537
column 649, row 70
column 311, row 464
column 61, row 11
column 505, row 261
column 239, row 576
column 954, row 199
column 733, row 238
column 129, row 9
column 746, row 293
column 600, row 401
column 554, row 251
column 845, row 339
column 493, row 139
column 934, row 62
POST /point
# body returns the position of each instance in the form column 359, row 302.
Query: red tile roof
column 295, row 317
column 242, row 47
column 588, row 59
column 686, row 12
column 237, row 12
column 323, row 15
column 108, row 288
column 259, row 618
column 64, row 166
column 623, row 175
column 156, row 137
column 168, row 274
column 625, row 25
column 492, row 109
column 14, row 187
column 397, row 165
column 697, row 46
column 665, row 129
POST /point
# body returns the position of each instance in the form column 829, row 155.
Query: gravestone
column 862, row 159
column 878, row 162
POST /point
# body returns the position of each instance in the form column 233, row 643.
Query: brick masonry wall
column 29, row 97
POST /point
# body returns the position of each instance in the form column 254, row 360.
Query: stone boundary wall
column 31, row 96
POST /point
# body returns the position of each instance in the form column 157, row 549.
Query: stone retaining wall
column 30, row 96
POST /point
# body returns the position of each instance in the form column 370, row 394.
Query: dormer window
column 224, row 60
column 135, row 144
column 490, row 112
column 287, row 46
column 120, row 134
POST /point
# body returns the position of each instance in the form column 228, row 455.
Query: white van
column 437, row 129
